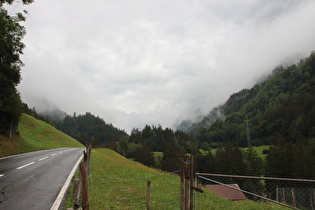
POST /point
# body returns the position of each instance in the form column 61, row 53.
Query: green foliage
column 205, row 163
column 144, row 155
column 11, row 47
column 170, row 159
column 11, row 1
column 284, row 104
column 280, row 111
column 90, row 129
column 286, row 159
column 229, row 160
column 156, row 139
column 253, row 163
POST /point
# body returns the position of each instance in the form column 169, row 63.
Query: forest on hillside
column 281, row 106
column 89, row 129
column 279, row 111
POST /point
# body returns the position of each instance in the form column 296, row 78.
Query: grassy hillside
column 118, row 183
column 35, row 135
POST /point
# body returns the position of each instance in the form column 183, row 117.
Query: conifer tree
column 144, row 155
column 171, row 155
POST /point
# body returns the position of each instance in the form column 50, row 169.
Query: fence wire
column 293, row 193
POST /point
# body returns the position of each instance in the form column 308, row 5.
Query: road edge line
column 64, row 189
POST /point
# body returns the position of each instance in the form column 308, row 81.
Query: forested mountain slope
column 88, row 128
column 281, row 106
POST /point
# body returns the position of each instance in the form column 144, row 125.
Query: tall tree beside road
column 11, row 47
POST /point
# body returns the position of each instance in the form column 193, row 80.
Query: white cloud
column 155, row 62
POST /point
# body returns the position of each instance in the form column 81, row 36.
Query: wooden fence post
column 84, row 191
column 148, row 195
column 191, row 177
column 293, row 197
column 187, row 184
column 182, row 184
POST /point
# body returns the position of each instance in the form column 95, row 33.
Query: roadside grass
column 72, row 191
column 35, row 135
column 14, row 145
column 119, row 183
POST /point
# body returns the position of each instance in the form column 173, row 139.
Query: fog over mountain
column 156, row 62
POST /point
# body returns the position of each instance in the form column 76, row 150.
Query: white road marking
column 1, row 175
column 53, row 154
column 43, row 158
column 25, row 165
column 63, row 190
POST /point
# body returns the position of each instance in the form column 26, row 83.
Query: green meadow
column 120, row 183
column 35, row 135
column 259, row 150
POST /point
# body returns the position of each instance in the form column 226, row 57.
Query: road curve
column 33, row 180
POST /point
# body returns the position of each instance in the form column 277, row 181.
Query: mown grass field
column 119, row 183
column 35, row 135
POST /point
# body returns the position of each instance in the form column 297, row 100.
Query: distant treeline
column 284, row 159
column 140, row 144
column 89, row 129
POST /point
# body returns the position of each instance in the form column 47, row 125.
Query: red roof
column 227, row 192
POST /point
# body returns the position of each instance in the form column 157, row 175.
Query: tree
column 205, row 146
column 144, row 155
column 11, row 47
column 205, row 163
column 280, row 159
column 230, row 160
column 170, row 160
column 254, row 164
column 304, row 159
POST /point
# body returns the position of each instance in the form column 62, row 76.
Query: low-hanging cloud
column 156, row 62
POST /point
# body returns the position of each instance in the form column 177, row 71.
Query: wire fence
column 292, row 193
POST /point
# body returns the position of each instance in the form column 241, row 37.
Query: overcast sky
column 138, row 62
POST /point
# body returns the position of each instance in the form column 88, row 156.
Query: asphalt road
column 33, row 180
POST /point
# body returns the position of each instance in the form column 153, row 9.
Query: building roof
column 226, row 192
